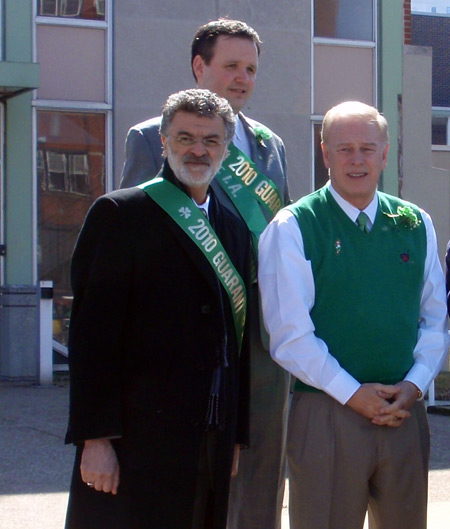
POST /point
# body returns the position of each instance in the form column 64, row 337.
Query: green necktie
column 362, row 221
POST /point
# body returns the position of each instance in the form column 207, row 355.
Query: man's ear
column 385, row 155
column 164, row 145
column 325, row 155
column 198, row 65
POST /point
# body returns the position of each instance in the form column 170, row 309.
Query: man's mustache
column 197, row 159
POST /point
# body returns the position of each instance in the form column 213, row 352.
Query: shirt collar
column 239, row 132
column 205, row 205
column 240, row 139
column 350, row 210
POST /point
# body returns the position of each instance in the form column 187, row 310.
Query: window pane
column 351, row 70
column 85, row 9
column 439, row 131
column 344, row 19
column 71, row 153
column 56, row 171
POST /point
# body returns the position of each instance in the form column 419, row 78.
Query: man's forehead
column 351, row 141
column 233, row 47
column 188, row 121
column 348, row 129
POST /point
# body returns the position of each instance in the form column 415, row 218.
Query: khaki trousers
column 340, row 465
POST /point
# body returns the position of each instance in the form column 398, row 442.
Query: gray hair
column 202, row 103
column 357, row 109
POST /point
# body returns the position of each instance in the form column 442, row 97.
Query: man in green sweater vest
column 353, row 297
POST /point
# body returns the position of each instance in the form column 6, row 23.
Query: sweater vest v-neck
column 367, row 285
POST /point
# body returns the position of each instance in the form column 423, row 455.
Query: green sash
column 240, row 179
column 196, row 226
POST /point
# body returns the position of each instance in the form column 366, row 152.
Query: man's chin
column 237, row 106
column 238, row 103
column 196, row 181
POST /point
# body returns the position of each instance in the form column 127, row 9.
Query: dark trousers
column 204, row 492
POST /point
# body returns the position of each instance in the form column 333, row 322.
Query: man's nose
column 242, row 75
column 198, row 148
column 357, row 158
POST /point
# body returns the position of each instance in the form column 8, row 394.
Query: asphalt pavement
column 36, row 466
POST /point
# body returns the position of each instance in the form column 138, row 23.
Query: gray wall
column 152, row 59
column 422, row 184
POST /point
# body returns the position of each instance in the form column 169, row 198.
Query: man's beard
column 183, row 173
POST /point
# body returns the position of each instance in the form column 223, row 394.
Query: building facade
column 105, row 66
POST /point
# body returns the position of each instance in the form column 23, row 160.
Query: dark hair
column 201, row 103
column 206, row 36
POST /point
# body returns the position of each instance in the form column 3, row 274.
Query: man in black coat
column 158, row 348
column 225, row 59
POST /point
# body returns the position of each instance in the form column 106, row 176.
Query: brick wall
column 434, row 31
column 407, row 22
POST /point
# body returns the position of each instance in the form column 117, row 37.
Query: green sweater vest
column 367, row 286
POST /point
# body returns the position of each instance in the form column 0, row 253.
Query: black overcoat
column 145, row 327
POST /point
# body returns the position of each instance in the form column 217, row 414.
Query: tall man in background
column 353, row 296
column 253, row 183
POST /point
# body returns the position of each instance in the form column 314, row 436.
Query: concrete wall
column 152, row 59
column 18, row 151
column 440, row 157
column 19, row 330
column 390, row 23
column 422, row 184
column 440, row 160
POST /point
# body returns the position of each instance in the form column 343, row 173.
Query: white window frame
column 100, row 6
column 61, row 7
column 75, row 106
column 315, row 118
column 442, row 112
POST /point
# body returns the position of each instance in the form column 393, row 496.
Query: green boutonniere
column 262, row 133
column 405, row 217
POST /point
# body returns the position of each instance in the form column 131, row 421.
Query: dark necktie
column 362, row 221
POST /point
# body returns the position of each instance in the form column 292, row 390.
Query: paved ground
column 35, row 465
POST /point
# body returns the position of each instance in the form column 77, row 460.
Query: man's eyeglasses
column 188, row 141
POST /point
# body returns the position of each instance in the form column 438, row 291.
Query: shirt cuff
column 342, row 387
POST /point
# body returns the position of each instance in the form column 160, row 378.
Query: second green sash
column 247, row 187
column 197, row 227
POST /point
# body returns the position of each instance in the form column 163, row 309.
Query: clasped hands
column 384, row 405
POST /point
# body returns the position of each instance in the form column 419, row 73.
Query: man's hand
column 99, row 465
column 370, row 399
column 397, row 409
column 235, row 465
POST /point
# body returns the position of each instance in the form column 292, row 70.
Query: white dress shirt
column 240, row 139
column 205, row 206
column 287, row 293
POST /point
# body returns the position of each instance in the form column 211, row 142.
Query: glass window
column 84, row 9
column 78, row 173
column 439, row 131
column 70, row 168
column 351, row 70
column 344, row 19
column 56, row 174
